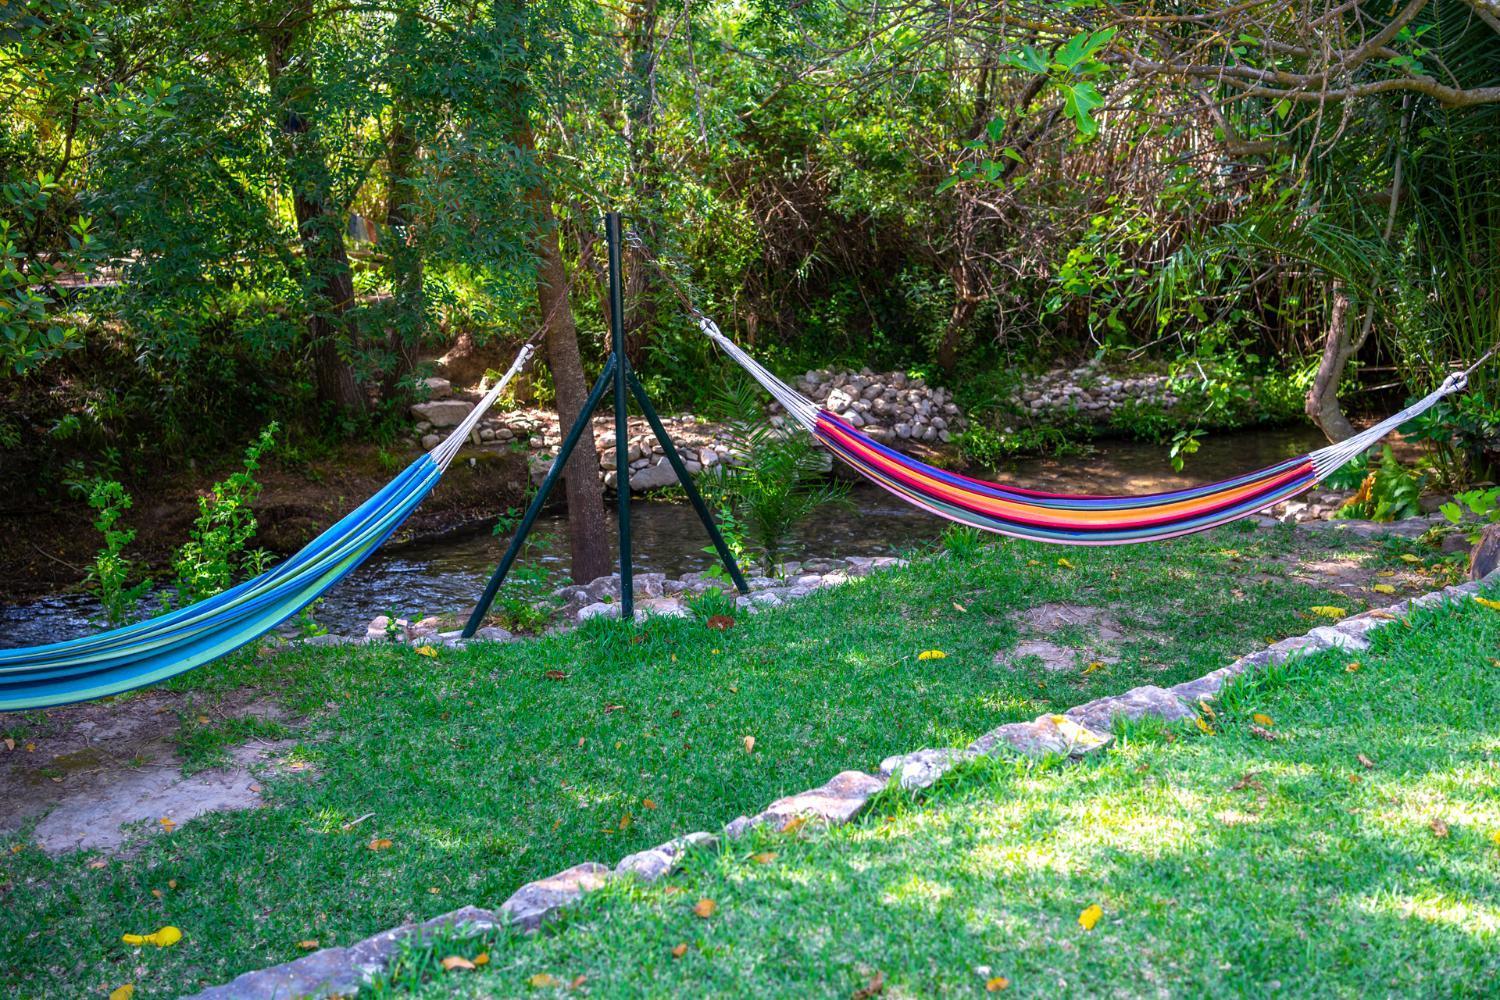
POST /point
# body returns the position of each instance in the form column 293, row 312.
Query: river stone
column 922, row 768
column 835, row 802
column 438, row 388
column 1148, row 699
column 1485, row 558
column 1337, row 638
column 656, row 862
column 442, row 412
column 654, row 478
column 535, row 902
column 1048, row 735
column 1300, row 645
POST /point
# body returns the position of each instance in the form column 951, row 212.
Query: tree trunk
column 588, row 536
column 404, row 337
column 329, row 282
column 1322, row 403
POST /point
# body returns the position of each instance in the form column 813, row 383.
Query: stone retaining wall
column 1091, row 392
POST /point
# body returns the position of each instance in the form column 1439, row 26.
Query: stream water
column 449, row 574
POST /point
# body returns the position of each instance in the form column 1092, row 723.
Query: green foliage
column 1482, row 503
column 774, row 477
column 217, row 554
column 986, row 447
column 1390, row 493
column 112, row 569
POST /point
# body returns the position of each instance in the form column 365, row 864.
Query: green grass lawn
column 489, row 767
column 1357, row 854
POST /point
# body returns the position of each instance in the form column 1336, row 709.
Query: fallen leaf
column 555, row 675
column 1383, row 614
column 1063, row 562
column 483, row 958
column 1439, row 828
column 10, row 744
column 1263, row 719
column 542, row 981
column 648, row 804
column 1383, row 588
column 873, row 988
column 959, row 607
column 380, row 844
column 611, row 708
column 157, row 893
column 1365, row 762
column 1328, row 611
column 425, row 651
column 1486, row 602
column 932, row 654
column 1353, row 667
column 168, row 824
column 1090, row 916
column 456, row 962
column 203, row 720
column 794, row 824
column 1033, row 562
column 995, row 984
column 98, row 863
column 122, row 992
column 764, row 857
column 1247, row 781
column 1495, row 838
column 1385, row 573
column 434, row 890
column 705, row 908
column 163, row 938
column 1093, row 666
column 310, row 944
column 721, row 623
column 171, row 883
column 679, row 950
column 1202, row 725
column 31, row 748
column 578, row 981
column 626, row 820
column 1207, row 709
column 749, row 744
column 1409, row 558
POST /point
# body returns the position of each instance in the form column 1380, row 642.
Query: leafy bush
column 1483, row 503
column 112, row 569
column 1387, row 494
column 216, row 553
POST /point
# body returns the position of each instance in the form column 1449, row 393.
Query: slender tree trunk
column 330, row 284
column 1322, row 403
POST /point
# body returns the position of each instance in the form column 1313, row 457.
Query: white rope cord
column 444, row 452
column 798, row 406
column 1326, row 460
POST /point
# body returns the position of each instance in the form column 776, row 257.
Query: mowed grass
column 1354, row 854
column 489, row 767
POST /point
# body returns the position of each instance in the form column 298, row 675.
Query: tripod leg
column 686, row 479
column 553, row 475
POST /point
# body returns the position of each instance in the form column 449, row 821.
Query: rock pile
column 888, row 406
column 1092, row 393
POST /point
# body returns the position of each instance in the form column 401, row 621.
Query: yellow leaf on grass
column 705, row 908
column 1383, row 588
column 425, row 651
column 626, row 820
column 1408, row 557
column 1063, row 562
column 483, row 958
column 995, row 984
column 1353, row 667
column 310, row 944
column 1090, row 916
column 932, row 654
column 168, row 824
column 1207, row 709
column 749, row 744
column 1495, row 838
column 163, row 938
column 678, row 950
column 1263, row 719
column 543, row 980
column 1095, row 665
column 764, row 857
column 1328, row 611
column 1202, row 725
column 648, row 804
column 122, row 992
column 380, row 844
column 457, row 962
column 1486, row 602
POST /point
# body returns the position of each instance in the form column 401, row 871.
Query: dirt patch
column 86, row 773
column 1101, row 633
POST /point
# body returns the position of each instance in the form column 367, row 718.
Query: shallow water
column 448, row 575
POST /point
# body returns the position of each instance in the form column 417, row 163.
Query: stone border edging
column 1079, row 731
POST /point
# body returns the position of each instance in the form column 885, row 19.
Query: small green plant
column 774, row 478
column 1389, row 493
column 1350, row 475
column 217, row 551
column 112, row 569
column 734, row 538
column 524, row 604
column 1482, row 503
column 394, row 632
column 308, row 626
column 963, row 542
column 1184, row 443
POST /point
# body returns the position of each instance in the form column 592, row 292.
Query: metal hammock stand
column 619, row 374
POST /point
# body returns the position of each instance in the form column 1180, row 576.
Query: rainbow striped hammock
column 1061, row 518
column 151, row 651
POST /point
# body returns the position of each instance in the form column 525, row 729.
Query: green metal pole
column 622, row 443
column 686, row 479
column 553, row 475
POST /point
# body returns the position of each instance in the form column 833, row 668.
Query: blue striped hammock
column 134, row 656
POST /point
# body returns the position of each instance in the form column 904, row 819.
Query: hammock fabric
column 170, row 644
column 1066, row 519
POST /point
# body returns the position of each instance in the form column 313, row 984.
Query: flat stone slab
column 340, row 971
column 1137, row 703
column 442, row 412
column 1048, row 735
column 922, row 768
column 533, row 903
column 835, row 802
column 660, row 861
